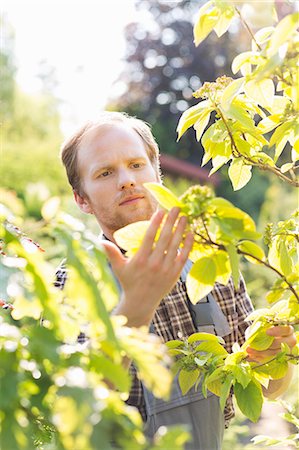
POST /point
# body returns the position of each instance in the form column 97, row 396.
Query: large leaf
column 201, row 279
column 284, row 30
column 190, row 116
column 262, row 92
column 250, row 400
column 239, row 173
column 129, row 238
column 205, row 22
column 231, row 91
column 223, row 268
column 224, row 20
column 234, row 262
column 187, row 379
column 163, row 195
column 201, row 123
column 253, row 249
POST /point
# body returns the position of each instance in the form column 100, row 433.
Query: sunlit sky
column 81, row 39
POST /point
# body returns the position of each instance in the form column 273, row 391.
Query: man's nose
column 126, row 180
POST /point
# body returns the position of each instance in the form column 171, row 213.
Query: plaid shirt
column 173, row 320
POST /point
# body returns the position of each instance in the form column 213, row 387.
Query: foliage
column 235, row 136
column 245, row 110
column 54, row 390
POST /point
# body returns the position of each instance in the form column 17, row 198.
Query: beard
column 118, row 216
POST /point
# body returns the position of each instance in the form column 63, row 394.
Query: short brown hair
column 70, row 147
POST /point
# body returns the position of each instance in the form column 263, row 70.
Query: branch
column 248, row 29
column 281, row 275
column 262, row 166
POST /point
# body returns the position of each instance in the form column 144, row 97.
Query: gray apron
column 202, row 416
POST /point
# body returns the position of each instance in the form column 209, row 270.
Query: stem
column 262, row 166
column 248, row 29
column 281, row 275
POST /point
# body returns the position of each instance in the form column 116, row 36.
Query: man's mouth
column 131, row 199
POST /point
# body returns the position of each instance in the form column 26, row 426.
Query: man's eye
column 105, row 174
column 136, row 165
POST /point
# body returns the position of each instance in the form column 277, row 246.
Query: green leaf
column 224, row 391
column 130, row 237
column 201, row 279
column 261, row 341
column 224, row 21
column 249, row 400
column 187, row 379
column 223, row 268
column 231, row 91
column 174, row 343
column 269, row 123
column 262, row 92
column 239, row 173
column 242, row 373
column 253, row 249
column 190, row 116
column 163, row 196
column 212, row 347
column 204, row 337
column 286, row 263
column 280, row 137
column 205, row 23
column 234, row 262
column 201, row 123
column 283, row 31
column 241, row 59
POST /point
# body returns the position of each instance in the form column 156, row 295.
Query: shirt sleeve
column 244, row 307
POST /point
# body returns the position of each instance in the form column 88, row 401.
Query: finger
column 176, row 240
column 290, row 341
column 280, row 330
column 149, row 238
column 166, row 233
column 114, row 255
column 184, row 253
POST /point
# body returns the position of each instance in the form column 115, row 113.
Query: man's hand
column 282, row 335
column 153, row 271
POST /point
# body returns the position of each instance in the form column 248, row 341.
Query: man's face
column 113, row 165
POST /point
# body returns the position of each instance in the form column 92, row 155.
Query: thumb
column 114, row 255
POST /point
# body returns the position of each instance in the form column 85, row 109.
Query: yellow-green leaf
column 201, row 123
column 190, row 116
column 223, row 267
column 231, row 91
column 212, row 347
column 187, row 379
column 239, row 173
column 253, row 249
column 261, row 341
column 283, row 31
column 234, row 262
column 269, row 123
column 224, row 21
column 195, row 337
column 249, row 399
column 205, row 23
column 201, row 279
column 286, row 263
column 163, row 195
column 262, row 92
column 129, row 238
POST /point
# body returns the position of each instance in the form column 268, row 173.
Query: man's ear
column 83, row 203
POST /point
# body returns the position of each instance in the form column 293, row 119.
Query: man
column 107, row 163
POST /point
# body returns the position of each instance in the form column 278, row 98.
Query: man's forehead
column 110, row 130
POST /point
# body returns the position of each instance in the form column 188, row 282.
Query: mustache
column 130, row 192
